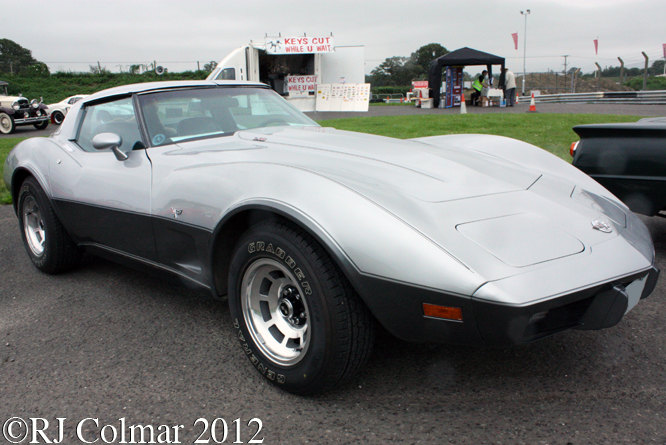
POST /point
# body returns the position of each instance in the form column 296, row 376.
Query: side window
column 227, row 74
column 111, row 117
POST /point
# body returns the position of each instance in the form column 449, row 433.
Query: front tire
column 48, row 245
column 7, row 124
column 297, row 318
column 57, row 117
column 41, row 125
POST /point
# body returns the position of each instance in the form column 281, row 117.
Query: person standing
column 510, row 84
column 478, row 85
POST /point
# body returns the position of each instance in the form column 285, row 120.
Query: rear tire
column 48, row 245
column 299, row 321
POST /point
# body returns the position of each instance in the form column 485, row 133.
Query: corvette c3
column 315, row 234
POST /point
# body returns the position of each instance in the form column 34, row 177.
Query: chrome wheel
column 33, row 225
column 275, row 311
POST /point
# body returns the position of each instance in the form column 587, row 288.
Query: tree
column 426, row 54
column 97, row 69
column 38, row 69
column 14, row 59
column 395, row 71
column 401, row 71
column 657, row 67
column 210, row 66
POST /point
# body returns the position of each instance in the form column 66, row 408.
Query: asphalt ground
column 106, row 345
column 105, row 342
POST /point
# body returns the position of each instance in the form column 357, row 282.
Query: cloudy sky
column 70, row 35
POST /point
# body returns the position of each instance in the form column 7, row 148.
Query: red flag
column 515, row 41
column 664, row 45
column 596, row 46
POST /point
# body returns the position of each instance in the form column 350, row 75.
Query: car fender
column 364, row 238
column 29, row 158
column 520, row 153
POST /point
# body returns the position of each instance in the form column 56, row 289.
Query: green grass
column 552, row 132
column 6, row 145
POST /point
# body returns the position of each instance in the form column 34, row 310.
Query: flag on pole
column 596, row 46
column 515, row 42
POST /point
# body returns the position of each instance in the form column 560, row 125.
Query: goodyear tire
column 46, row 241
column 297, row 318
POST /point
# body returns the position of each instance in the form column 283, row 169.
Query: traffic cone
column 517, row 98
column 463, row 105
column 532, row 106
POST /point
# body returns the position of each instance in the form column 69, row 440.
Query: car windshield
column 184, row 114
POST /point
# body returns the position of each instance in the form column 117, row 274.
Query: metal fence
column 612, row 97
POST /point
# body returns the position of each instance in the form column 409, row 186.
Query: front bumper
column 399, row 308
column 31, row 120
column 594, row 308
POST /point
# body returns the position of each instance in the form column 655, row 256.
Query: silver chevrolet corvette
column 316, row 234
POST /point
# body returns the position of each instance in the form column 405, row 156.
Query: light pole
column 525, row 13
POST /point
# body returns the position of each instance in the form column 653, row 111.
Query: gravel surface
column 105, row 342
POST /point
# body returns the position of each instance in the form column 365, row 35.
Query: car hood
column 7, row 101
column 427, row 173
column 497, row 217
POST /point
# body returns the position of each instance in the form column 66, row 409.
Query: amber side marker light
column 572, row 149
column 444, row 312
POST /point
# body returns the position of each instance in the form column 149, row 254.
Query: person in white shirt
column 510, row 83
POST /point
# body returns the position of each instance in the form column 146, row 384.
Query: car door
column 105, row 201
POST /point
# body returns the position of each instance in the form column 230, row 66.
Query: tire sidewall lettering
column 256, row 248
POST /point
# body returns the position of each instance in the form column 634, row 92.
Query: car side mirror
column 102, row 141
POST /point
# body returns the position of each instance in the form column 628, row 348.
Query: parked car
column 628, row 159
column 58, row 111
column 17, row 110
column 314, row 234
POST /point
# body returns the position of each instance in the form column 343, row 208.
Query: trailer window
column 227, row 74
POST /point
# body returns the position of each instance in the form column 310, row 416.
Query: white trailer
column 294, row 66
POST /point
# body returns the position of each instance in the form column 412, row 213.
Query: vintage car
column 314, row 234
column 58, row 111
column 16, row 110
column 628, row 159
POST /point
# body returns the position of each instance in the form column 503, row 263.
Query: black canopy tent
column 460, row 57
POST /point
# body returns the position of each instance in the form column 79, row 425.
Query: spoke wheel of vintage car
column 298, row 319
column 7, row 124
column 45, row 239
column 41, row 125
column 57, row 117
